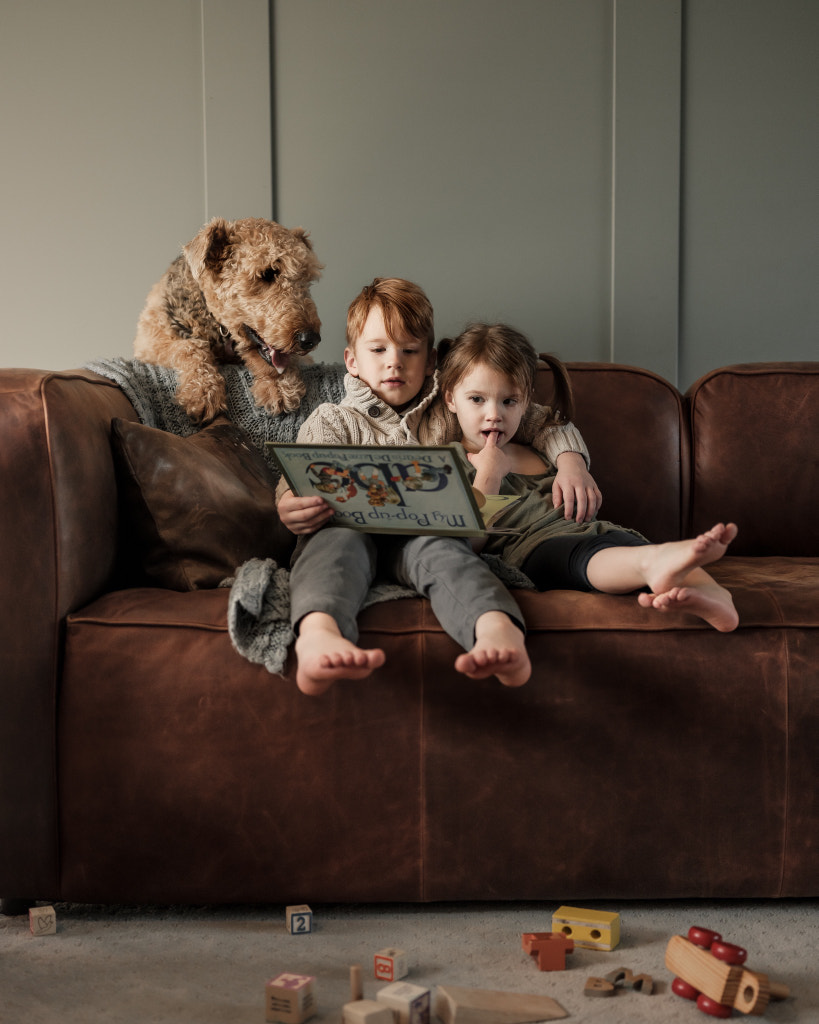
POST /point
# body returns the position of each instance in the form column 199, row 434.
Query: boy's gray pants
column 336, row 566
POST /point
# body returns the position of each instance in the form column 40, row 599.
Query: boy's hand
column 303, row 515
column 575, row 489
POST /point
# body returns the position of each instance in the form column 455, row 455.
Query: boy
column 391, row 398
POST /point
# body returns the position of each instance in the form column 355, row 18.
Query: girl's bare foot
column 324, row 656
column 499, row 650
column 710, row 602
column 669, row 564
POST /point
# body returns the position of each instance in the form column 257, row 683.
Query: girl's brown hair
column 404, row 306
column 506, row 350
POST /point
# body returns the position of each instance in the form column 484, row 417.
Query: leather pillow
column 195, row 507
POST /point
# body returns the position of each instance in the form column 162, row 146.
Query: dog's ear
column 208, row 250
column 301, row 234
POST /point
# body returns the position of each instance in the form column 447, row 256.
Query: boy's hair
column 506, row 350
column 404, row 306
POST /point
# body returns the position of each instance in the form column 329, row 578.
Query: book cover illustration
column 412, row 489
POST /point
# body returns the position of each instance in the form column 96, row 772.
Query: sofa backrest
column 632, row 421
column 755, row 456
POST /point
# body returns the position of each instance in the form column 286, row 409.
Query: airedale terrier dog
column 239, row 292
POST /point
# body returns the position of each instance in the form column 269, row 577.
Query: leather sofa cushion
column 653, row 731
column 195, row 507
column 754, row 430
column 632, row 421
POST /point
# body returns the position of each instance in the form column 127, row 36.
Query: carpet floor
column 203, row 965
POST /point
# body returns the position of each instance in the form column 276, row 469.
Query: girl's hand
column 575, row 489
column 303, row 515
column 491, row 466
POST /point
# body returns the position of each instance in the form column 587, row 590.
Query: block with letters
column 411, row 1003
column 289, row 998
column 42, row 921
column 299, row 919
column 390, row 964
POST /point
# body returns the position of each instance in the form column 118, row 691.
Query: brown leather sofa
column 142, row 760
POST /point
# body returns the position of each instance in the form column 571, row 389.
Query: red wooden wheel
column 712, row 1007
column 703, row 937
column 682, row 988
column 728, row 952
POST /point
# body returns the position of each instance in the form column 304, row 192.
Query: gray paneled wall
column 465, row 145
column 629, row 180
column 751, row 183
column 125, row 126
column 624, row 179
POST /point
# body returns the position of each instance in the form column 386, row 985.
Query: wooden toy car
column 710, row 971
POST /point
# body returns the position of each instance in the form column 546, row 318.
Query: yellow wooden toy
column 592, row 929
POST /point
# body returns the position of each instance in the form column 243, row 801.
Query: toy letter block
column 367, row 1011
column 548, row 948
column 299, row 920
column 42, row 921
column 628, row 979
column 592, row 929
column 411, row 1003
column 390, row 964
column 598, row 988
column 289, row 999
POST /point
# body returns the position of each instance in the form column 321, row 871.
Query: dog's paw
column 279, row 405
column 278, row 395
column 202, row 403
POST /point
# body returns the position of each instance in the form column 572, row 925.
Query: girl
column 487, row 378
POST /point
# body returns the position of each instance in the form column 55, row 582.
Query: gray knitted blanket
column 152, row 390
column 259, row 600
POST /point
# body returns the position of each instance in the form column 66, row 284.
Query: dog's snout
column 307, row 340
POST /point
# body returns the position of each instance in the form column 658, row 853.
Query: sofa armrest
column 58, row 547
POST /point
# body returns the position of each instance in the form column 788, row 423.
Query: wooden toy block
column 623, row 976
column 548, row 948
column 411, row 1003
column 299, row 920
column 42, row 921
column 710, row 971
column 367, row 1011
column 598, row 987
column 487, row 1006
column 356, row 983
column 390, row 964
column 289, row 998
column 591, row 929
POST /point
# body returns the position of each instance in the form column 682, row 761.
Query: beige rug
column 208, row 965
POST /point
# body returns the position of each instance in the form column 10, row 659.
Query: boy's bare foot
column 669, row 564
column 324, row 657
column 710, row 602
column 499, row 650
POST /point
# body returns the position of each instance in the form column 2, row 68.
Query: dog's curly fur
column 239, row 292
